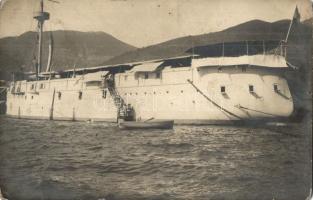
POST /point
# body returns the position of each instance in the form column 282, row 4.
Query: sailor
column 110, row 80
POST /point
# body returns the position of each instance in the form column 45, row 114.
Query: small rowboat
column 155, row 124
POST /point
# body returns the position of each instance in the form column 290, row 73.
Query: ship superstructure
column 187, row 89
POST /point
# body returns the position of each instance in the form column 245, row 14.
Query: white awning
column 274, row 61
column 146, row 67
column 96, row 76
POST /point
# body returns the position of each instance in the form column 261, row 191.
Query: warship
column 190, row 89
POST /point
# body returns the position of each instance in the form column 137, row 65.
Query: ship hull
column 192, row 122
column 185, row 95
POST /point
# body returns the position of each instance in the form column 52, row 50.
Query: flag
column 296, row 15
column 295, row 20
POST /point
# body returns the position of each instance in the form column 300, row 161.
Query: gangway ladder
column 123, row 110
column 3, row 91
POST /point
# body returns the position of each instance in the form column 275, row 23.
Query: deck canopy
column 236, row 48
column 97, row 76
column 146, row 67
column 271, row 61
column 141, row 66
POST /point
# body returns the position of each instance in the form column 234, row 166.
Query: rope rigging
column 213, row 102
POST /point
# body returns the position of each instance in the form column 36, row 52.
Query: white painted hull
column 170, row 97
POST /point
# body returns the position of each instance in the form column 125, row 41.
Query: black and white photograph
column 156, row 99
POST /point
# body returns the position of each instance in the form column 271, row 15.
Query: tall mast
column 41, row 17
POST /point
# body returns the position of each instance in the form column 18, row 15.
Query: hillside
column 70, row 48
column 252, row 30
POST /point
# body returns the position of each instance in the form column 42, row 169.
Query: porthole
column 223, row 89
column 251, row 88
column 275, row 86
column 80, row 95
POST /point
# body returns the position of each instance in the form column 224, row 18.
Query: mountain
column 251, row 30
column 83, row 49
column 97, row 48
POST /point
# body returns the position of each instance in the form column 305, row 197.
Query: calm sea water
column 79, row 160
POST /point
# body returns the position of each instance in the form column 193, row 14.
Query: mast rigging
column 41, row 17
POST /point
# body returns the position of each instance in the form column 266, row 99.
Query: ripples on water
column 79, row 160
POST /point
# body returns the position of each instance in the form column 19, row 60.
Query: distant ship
column 190, row 89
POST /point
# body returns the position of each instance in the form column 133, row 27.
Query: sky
column 145, row 22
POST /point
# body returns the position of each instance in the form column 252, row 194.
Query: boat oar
column 149, row 119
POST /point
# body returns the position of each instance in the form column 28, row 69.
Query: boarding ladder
column 2, row 94
column 124, row 111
